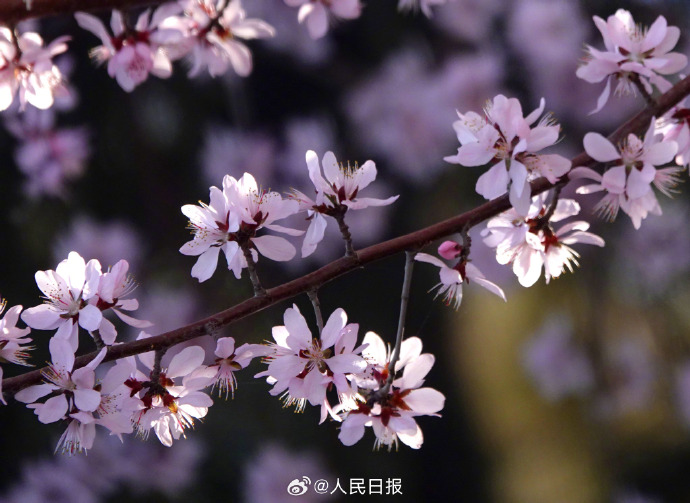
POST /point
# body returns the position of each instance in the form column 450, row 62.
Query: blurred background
column 578, row 391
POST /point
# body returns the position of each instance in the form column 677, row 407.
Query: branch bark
column 13, row 11
column 412, row 241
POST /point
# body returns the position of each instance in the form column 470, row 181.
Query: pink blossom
column 628, row 184
column 134, row 53
column 504, row 137
column 212, row 30
column 13, row 340
column 231, row 359
column 632, row 54
column 67, row 290
column 26, row 67
column 337, row 192
column 169, row 407
column 675, row 127
column 392, row 416
column 304, row 367
column 113, row 287
column 452, row 278
column 530, row 243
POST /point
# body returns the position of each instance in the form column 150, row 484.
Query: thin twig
column 251, row 267
column 156, row 370
column 395, row 355
column 98, row 340
column 635, row 79
column 345, row 231
column 313, row 296
column 404, row 299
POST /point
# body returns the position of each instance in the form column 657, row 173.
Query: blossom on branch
column 78, row 399
column 230, row 359
column 164, row 405
column 113, row 286
column 134, row 53
column 335, row 194
column 212, row 30
column 635, row 56
column 392, row 416
column 27, row 69
column 530, row 243
column 506, row 140
column 628, row 184
column 13, row 340
column 452, row 278
column 67, row 290
column 303, row 368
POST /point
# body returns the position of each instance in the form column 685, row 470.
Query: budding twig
column 251, row 267
column 344, row 230
column 313, row 296
column 635, row 79
column 98, row 340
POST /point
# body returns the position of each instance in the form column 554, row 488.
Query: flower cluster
column 27, row 69
column 628, row 183
column 530, row 243
column 13, row 340
column 303, row 368
column 389, row 405
column 207, row 31
column 504, row 137
column 230, row 222
column 637, row 57
column 77, row 293
column 335, row 194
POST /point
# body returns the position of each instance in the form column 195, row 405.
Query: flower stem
column 635, row 79
column 466, row 243
column 313, row 296
column 544, row 220
column 251, row 267
column 345, row 231
column 98, row 340
column 156, row 370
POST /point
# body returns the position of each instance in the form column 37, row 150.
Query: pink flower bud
column 450, row 250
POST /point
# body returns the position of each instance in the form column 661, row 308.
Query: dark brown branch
column 13, row 11
column 413, row 241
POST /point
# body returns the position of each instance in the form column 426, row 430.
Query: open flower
column 230, row 359
column 168, row 406
column 212, row 33
column 67, row 290
column 113, row 287
column 392, row 416
column 27, row 68
column 304, row 367
column 531, row 243
column 452, row 278
column 628, row 184
column 335, row 194
column 212, row 225
column 633, row 54
column 504, row 137
column 134, row 53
